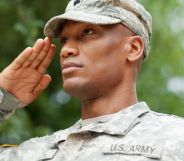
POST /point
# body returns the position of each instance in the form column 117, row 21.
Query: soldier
column 104, row 44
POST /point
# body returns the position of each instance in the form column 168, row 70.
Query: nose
column 69, row 49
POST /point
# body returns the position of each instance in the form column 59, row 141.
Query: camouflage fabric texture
column 103, row 12
column 133, row 134
column 8, row 104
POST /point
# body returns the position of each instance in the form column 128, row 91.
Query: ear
column 137, row 48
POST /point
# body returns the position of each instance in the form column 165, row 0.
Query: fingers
column 43, row 84
column 39, row 57
column 37, row 48
column 47, row 60
column 20, row 60
column 43, row 52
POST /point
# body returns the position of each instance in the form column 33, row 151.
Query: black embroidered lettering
column 152, row 149
column 121, row 147
column 144, row 149
column 113, row 147
column 138, row 148
column 132, row 149
column 128, row 147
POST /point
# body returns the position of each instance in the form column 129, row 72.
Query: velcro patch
column 150, row 151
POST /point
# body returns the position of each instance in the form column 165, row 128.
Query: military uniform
column 135, row 133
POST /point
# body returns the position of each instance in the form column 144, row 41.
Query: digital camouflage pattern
column 8, row 104
column 133, row 134
column 104, row 12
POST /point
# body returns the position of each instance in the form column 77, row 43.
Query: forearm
column 8, row 104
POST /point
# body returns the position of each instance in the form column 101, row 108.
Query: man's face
column 93, row 58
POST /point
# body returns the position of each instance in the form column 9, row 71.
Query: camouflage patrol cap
column 103, row 12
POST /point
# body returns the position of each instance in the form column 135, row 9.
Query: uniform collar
column 120, row 124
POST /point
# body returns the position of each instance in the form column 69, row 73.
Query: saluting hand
column 25, row 77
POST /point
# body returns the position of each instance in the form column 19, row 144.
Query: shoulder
column 164, row 124
column 54, row 138
column 162, row 131
column 39, row 148
column 164, row 121
column 45, row 141
column 166, row 129
column 170, row 131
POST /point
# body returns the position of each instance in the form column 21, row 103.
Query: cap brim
column 54, row 25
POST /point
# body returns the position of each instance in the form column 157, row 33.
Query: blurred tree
column 160, row 82
column 165, row 61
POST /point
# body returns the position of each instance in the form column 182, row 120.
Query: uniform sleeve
column 8, row 104
column 34, row 149
column 174, row 150
column 6, row 153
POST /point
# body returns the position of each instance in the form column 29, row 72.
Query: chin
column 73, row 86
column 80, row 88
column 71, row 90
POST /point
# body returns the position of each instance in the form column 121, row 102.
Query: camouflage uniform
column 135, row 133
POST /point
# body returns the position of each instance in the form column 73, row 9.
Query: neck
column 110, row 102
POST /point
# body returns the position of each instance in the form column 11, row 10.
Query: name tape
column 132, row 149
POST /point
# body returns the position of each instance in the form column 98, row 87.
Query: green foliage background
column 22, row 22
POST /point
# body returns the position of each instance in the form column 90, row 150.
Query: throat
column 108, row 104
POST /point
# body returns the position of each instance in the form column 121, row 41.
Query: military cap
column 103, row 12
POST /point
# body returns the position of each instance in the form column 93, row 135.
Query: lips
column 69, row 67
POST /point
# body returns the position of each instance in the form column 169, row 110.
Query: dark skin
column 25, row 77
column 108, row 60
column 99, row 66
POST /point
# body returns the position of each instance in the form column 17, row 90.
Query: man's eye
column 63, row 40
column 88, row 31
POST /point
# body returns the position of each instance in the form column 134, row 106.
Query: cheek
column 103, row 57
column 101, row 50
column 106, row 69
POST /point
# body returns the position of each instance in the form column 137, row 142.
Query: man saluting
column 104, row 43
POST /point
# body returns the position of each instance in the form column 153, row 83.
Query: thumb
column 43, row 84
column 45, row 81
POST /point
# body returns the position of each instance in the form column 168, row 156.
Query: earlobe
column 137, row 48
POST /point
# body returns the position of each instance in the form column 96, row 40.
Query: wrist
column 8, row 101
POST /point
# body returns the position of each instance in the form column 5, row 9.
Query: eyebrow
column 80, row 25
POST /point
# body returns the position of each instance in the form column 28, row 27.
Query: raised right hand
column 24, row 77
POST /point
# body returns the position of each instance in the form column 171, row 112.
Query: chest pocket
column 134, row 150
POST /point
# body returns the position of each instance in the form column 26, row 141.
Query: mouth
column 70, row 64
column 70, row 67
